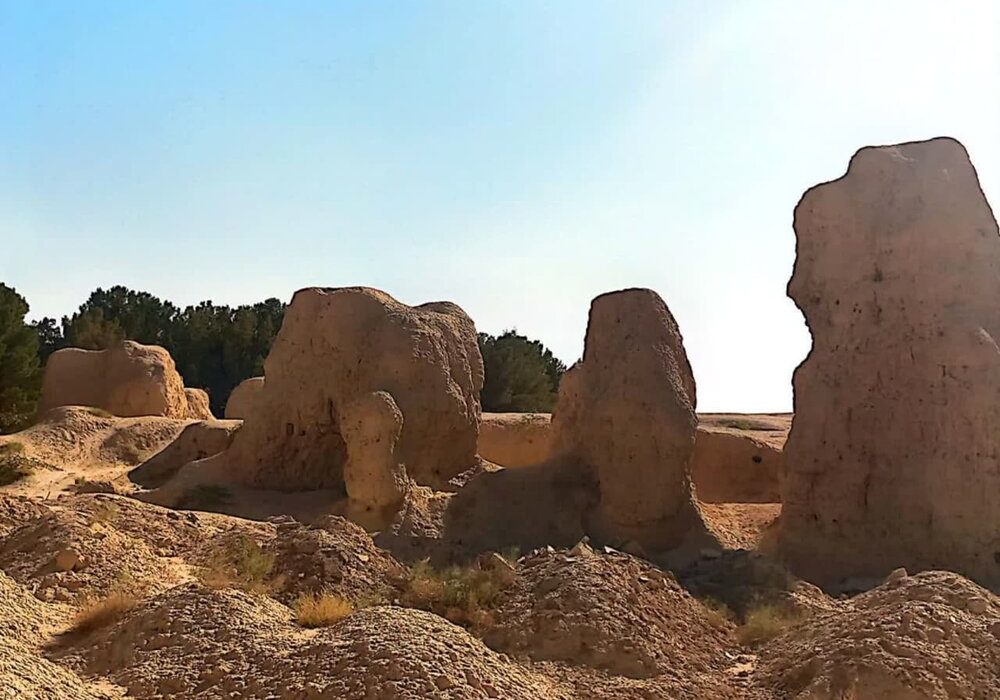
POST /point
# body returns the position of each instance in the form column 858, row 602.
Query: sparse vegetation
column 718, row 614
column 321, row 609
column 205, row 497
column 95, row 613
column 742, row 424
column 20, row 373
column 765, row 622
column 239, row 562
column 99, row 412
column 463, row 594
column 14, row 466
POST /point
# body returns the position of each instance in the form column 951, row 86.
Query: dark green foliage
column 20, row 377
column 50, row 337
column 120, row 313
column 521, row 375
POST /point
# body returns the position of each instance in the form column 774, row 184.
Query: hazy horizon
column 517, row 159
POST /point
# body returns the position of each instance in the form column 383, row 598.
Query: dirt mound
column 933, row 635
column 197, row 441
column 740, row 525
column 25, row 624
column 734, row 467
column 126, row 380
column 65, row 553
column 609, row 611
column 196, row 642
column 17, row 510
column 400, row 653
column 243, row 397
column 515, row 439
column 891, row 460
column 190, row 641
column 75, row 441
column 334, row 555
column 626, row 411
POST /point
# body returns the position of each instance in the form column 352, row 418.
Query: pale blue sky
column 517, row 158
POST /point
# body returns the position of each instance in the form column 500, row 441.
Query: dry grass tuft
column 765, row 622
column 95, row 613
column 717, row 613
column 14, row 466
column 463, row 594
column 241, row 563
column 321, row 609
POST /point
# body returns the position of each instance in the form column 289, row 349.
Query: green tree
column 20, row 377
column 522, row 375
column 118, row 313
column 50, row 337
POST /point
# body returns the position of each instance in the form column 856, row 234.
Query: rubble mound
column 333, row 555
column 66, row 553
column 609, row 611
column 626, row 411
column 25, row 623
column 191, row 641
column 197, row 441
column 86, row 442
column 242, row 399
column 17, row 510
column 129, row 379
column 336, row 345
column 515, row 439
column 388, row 652
column 928, row 636
column 731, row 466
column 892, row 457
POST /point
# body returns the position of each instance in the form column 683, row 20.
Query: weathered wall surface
column 730, row 466
column 243, row 398
column 894, row 454
column 127, row 380
column 336, row 345
column 627, row 412
column 515, row 439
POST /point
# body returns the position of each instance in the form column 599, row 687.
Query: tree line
column 216, row 347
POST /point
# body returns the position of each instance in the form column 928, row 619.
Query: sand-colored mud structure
column 894, row 450
column 626, row 411
column 127, row 380
column 515, row 439
column 337, row 345
column 241, row 400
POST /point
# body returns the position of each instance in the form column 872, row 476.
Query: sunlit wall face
column 514, row 158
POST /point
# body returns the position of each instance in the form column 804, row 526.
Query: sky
column 517, row 158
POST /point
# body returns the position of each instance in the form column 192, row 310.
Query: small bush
column 321, row 609
column 99, row 412
column 239, row 563
column 765, row 622
column 717, row 613
column 14, row 466
column 463, row 594
column 11, row 448
column 204, row 497
column 95, row 613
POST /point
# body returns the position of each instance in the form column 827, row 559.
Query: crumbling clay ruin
column 336, row 346
column 549, row 570
column 126, row 380
column 626, row 411
column 737, row 458
column 241, row 401
column 515, row 439
column 893, row 456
